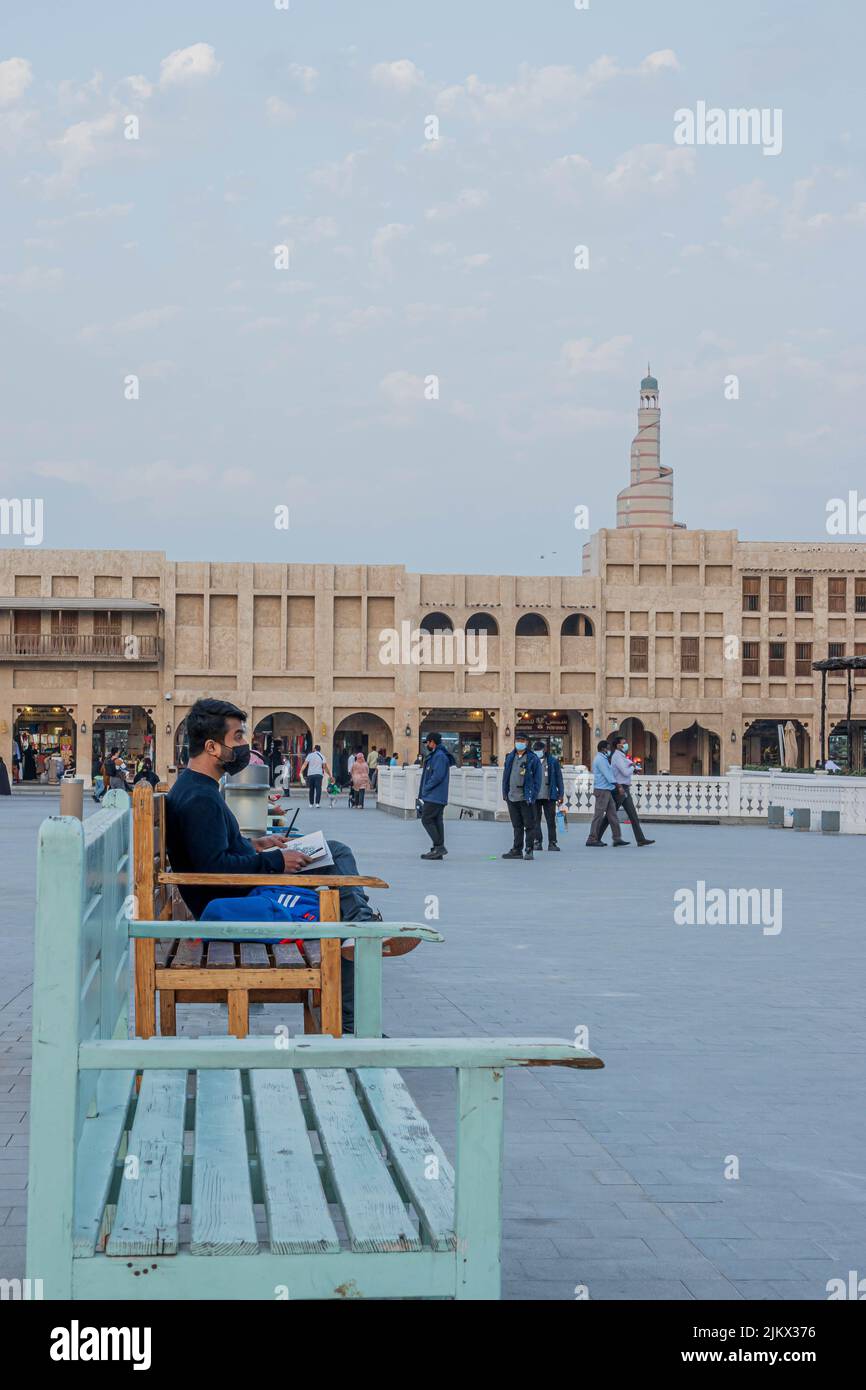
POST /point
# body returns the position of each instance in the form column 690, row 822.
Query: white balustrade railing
column 735, row 796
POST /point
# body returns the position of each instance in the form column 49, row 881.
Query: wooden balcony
column 67, row 646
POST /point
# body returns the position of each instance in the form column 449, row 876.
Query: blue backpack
column 266, row 905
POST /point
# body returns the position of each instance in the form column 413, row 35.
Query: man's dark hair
column 207, row 720
column 602, row 747
column 433, row 738
column 113, row 751
column 614, row 740
column 318, row 748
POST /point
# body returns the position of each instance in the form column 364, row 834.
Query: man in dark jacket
column 433, row 794
column 203, row 835
column 521, row 780
column 552, row 790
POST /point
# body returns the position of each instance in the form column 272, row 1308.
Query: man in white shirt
column 622, row 769
column 315, row 767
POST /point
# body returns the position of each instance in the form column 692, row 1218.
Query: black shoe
column 595, row 844
column 554, row 847
column 641, row 843
column 513, row 854
column 618, row 844
column 529, row 854
column 538, row 845
column 433, row 854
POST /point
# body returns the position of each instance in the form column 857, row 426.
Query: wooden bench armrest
column 311, row 1050
column 274, row 880
column 302, row 931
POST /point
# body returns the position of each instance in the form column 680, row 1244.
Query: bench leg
column 311, row 1022
column 145, row 987
column 478, row 1214
column 167, row 1013
column 332, row 998
column 239, row 1012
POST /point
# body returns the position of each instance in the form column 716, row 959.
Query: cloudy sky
column 429, row 380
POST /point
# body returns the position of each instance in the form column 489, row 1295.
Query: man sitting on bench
column 203, row 836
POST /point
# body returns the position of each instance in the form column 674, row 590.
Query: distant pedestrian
column 521, row 781
column 605, row 807
column 433, row 794
column 315, row 767
column 117, row 771
column 551, row 791
column 146, row 773
column 372, row 763
column 360, row 779
column 5, row 789
column 623, row 770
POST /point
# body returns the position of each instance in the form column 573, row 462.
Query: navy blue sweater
column 202, row 836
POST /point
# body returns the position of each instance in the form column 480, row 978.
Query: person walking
column 433, row 794
column 622, row 768
column 146, row 773
column 315, row 767
column 360, row 779
column 521, row 780
column 605, row 807
column 117, row 771
column 372, row 763
column 551, row 791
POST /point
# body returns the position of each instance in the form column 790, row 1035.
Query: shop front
column 44, row 740
column 129, row 728
column 469, row 735
column 564, row 733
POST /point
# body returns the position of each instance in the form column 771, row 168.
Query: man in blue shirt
column 605, row 807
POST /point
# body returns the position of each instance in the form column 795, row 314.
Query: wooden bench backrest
column 153, row 899
column 81, row 980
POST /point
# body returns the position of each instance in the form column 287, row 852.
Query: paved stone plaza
column 719, row 1042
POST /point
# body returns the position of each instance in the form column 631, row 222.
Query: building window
column 836, row 649
column 531, row 625
column 751, row 595
column 802, row 658
column 860, row 595
column 638, row 654
column 778, row 594
column 777, row 658
column 803, row 594
column 688, row 653
column 576, row 625
column 837, row 594
column 751, row 659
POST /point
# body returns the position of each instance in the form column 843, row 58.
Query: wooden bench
column 239, row 1168
column 183, row 970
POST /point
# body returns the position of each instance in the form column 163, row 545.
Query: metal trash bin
column 776, row 817
column 246, row 794
column 802, row 818
column 830, row 822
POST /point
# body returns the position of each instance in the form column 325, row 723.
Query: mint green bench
column 239, row 1168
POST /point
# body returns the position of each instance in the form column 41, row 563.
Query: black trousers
column 523, row 820
column 623, row 799
column 314, row 785
column 547, row 809
column 432, row 818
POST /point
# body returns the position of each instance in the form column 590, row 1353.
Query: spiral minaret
column 649, row 498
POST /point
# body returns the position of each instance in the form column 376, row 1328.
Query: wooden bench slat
column 375, row 1215
column 97, row 1153
column 414, row 1151
column 287, row 956
column 254, row 955
column 188, row 955
column 223, row 1218
column 220, row 955
column 148, row 1206
column 298, row 1217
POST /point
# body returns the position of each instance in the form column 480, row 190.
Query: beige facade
column 700, row 645
column 674, row 628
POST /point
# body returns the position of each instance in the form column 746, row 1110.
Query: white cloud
column 82, row 145
column 16, row 74
column 77, row 94
column 360, row 319
column 480, row 258
column 399, row 76
column 338, row 176
column 35, row 277
column 544, row 97
column 469, row 200
column 144, row 320
column 579, row 355
column 403, row 389
column 310, row 229
column 645, row 169
column 279, row 111
column 306, row 78
column 188, row 65
column 135, row 88
column 748, row 201
column 384, row 240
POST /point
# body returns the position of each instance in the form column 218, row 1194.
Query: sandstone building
column 700, row 644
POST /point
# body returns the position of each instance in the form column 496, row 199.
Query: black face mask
column 239, row 760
